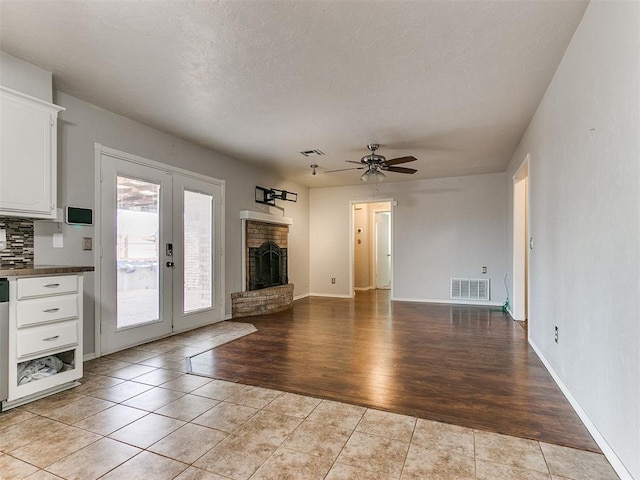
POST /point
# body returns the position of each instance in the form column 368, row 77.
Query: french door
column 160, row 265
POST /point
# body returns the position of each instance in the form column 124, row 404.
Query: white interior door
column 197, row 297
column 383, row 249
column 136, row 223
column 162, row 253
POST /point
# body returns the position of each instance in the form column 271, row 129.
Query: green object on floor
column 505, row 306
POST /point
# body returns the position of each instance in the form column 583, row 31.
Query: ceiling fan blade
column 396, row 161
column 344, row 169
column 399, row 169
column 353, row 161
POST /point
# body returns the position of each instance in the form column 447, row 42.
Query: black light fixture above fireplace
column 268, row 196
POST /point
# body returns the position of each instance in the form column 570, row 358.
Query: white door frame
column 352, row 241
column 101, row 149
column 520, row 295
column 376, row 242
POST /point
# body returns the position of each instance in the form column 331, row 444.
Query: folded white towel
column 38, row 368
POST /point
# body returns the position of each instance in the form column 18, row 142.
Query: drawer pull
column 50, row 339
column 51, row 310
column 52, row 285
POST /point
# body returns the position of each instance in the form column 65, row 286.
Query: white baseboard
column 615, row 462
column 449, row 302
column 301, row 296
column 89, row 356
column 330, row 295
column 363, row 289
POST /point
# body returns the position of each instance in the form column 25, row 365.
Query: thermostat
column 79, row 216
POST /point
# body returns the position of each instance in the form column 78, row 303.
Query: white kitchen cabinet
column 28, row 166
column 45, row 320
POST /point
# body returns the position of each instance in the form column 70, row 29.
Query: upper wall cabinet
column 28, row 164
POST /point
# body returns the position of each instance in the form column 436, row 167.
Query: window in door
column 137, row 251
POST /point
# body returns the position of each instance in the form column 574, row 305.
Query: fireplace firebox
column 267, row 266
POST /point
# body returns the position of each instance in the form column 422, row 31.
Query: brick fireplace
column 265, row 286
column 265, row 255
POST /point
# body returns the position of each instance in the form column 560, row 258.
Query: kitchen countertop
column 42, row 270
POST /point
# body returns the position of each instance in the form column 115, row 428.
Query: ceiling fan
column 374, row 165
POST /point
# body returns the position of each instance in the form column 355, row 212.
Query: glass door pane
column 137, row 252
column 197, row 241
column 197, row 276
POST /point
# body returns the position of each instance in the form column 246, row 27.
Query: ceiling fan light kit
column 375, row 165
column 373, row 175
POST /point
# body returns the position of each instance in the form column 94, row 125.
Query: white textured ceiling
column 454, row 83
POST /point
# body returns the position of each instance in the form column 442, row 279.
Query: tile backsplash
column 19, row 251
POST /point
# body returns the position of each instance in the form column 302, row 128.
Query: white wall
column 442, row 228
column 584, row 176
column 25, row 77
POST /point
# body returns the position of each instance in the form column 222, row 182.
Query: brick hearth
column 259, row 302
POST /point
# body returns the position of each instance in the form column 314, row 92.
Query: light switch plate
column 87, row 243
column 58, row 240
column 3, row 239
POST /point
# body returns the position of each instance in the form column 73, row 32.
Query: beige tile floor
column 137, row 415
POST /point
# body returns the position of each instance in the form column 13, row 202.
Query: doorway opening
column 372, row 260
column 520, row 300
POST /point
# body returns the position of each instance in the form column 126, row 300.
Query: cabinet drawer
column 46, row 337
column 48, row 309
column 41, row 286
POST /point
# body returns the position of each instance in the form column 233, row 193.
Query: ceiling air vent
column 310, row 153
column 469, row 289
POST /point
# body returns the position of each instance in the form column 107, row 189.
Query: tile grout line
column 475, row 456
column 544, row 457
column 413, row 431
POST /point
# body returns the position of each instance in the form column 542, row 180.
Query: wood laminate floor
column 468, row 366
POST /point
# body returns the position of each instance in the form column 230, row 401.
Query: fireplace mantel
column 264, row 217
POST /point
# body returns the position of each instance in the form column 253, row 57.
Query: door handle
column 170, row 264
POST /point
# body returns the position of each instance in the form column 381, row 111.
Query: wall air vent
column 311, row 153
column 469, row 289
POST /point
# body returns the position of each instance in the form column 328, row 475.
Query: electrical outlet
column 555, row 337
column 333, row 280
column 3, row 239
column 484, row 270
